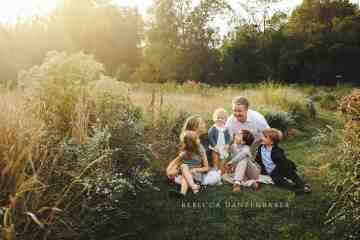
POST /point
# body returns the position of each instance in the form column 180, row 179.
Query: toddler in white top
column 219, row 138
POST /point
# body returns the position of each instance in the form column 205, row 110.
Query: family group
column 241, row 149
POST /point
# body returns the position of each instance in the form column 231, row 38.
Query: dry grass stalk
column 80, row 121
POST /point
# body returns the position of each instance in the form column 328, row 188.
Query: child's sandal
column 307, row 188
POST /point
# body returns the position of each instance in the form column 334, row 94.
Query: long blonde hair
column 192, row 123
column 190, row 143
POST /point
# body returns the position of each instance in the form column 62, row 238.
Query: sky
column 10, row 10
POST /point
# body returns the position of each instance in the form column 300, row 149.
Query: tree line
column 318, row 43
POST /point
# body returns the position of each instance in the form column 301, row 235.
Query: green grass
column 218, row 213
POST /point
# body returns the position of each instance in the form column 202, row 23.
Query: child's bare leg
column 216, row 160
column 188, row 177
column 240, row 171
column 222, row 166
column 239, row 175
column 184, row 186
column 253, row 173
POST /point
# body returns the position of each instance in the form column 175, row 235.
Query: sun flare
column 10, row 10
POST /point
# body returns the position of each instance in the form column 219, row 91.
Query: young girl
column 196, row 124
column 219, row 138
column 274, row 163
column 192, row 162
column 246, row 171
column 192, row 123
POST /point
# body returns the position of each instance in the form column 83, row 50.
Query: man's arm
column 263, row 124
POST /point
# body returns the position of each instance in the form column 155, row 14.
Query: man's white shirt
column 255, row 123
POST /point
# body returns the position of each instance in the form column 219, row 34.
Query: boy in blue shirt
column 274, row 163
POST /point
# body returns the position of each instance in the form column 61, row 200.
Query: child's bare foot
column 236, row 188
column 256, row 186
column 195, row 188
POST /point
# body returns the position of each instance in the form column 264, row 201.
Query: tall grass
column 264, row 97
column 52, row 139
column 57, row 142
column 23, row 162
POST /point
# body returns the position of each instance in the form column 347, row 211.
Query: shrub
column 129, row 144
column 345, row 210
column 104, row 176
column 110, row 208
column 350, row 105
column 326, row 136
column 302, row 112
column 82, row 126
column 346, row 181
column 310, row 89
column 82, row 154
column 69, row 93
column 109, row 98
column 285, row 99
column 279, row 120
column 328, row 101
column 164, row 136
column 55, row 87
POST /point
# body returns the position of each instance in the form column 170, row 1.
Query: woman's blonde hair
column 217, row 112
column 192, row 123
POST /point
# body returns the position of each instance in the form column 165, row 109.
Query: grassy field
column 271, row 213
column 29, row 152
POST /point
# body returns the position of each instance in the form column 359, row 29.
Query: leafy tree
column 322, row 32
column 110, row 32
column 252, row 52
column 180, row 41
